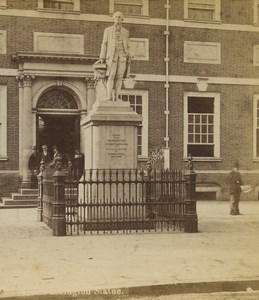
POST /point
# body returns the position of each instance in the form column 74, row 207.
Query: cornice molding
column 32, row 56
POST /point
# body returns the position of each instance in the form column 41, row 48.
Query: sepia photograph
column 129, row 149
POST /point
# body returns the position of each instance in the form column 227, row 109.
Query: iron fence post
column 59, row 204
column 190, row 212
column 40, row 196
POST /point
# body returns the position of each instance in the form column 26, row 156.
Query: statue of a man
column 116, row 53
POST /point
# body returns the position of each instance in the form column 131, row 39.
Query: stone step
column 9, row 201
column 3, row 206
column 28, row 191
column 16, row 196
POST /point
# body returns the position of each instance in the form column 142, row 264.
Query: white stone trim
column 58, row 43
column 8, row 72
column 2, row 41
column 216, row 11
column 256, row 7
column 55, row 83
column 139, row 48
column 76, row 6
column 129, row 20
column 85, row 70
column 3, row 121
column 204, row 189
column 255, row 116
column 202, row 52
column 216, row 96
column 145, row 5
column 145, row 108
column 256, row 55
column 3, row 4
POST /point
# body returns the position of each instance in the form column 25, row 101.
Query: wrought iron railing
column 118, row 201
column 125, row 201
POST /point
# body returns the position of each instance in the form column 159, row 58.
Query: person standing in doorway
column 33, row 165
column 115, row 52
column 45, row 156
column 235, row 182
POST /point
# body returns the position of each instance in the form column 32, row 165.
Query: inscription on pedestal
column 116, row 146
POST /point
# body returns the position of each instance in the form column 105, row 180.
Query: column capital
column 90, row 82
column 20, row 79
column 27, row 81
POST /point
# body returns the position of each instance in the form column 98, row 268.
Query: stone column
column 27, row 129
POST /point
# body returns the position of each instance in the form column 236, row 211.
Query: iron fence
column 124, row 201
column 117, row 201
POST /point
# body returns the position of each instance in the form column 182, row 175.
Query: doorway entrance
column 58, row 121
column 62, row 131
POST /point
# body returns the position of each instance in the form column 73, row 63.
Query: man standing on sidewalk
column 235, row 182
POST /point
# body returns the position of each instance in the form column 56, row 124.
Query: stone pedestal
column 110, row 143
column 111, row 136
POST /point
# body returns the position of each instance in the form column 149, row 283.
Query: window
column 3, row 122
column 130, row 7
column 256, row 127
column 139, row 102
column 203, row 10
column 59, row 5
column 256, row 12
column 201, row 130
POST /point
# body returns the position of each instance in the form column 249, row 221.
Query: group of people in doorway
column 46, row 158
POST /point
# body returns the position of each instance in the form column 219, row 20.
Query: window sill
column 142, row 158
column 204, row 159
column 3, row 6
column 256, row 159
column 204, row 21
column 133, row 16
column 59, row 11
column 3, row 158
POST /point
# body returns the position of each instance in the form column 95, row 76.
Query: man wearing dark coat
column 33, row 165
column 235, row 182
column 78, row 165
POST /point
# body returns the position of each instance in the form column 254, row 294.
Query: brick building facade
column 194, row 75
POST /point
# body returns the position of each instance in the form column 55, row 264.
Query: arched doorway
column 58, row 121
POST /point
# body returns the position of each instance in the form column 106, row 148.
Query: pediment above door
column 64, row 65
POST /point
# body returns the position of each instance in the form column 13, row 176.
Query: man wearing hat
column 235, row 182
column 33, row 165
